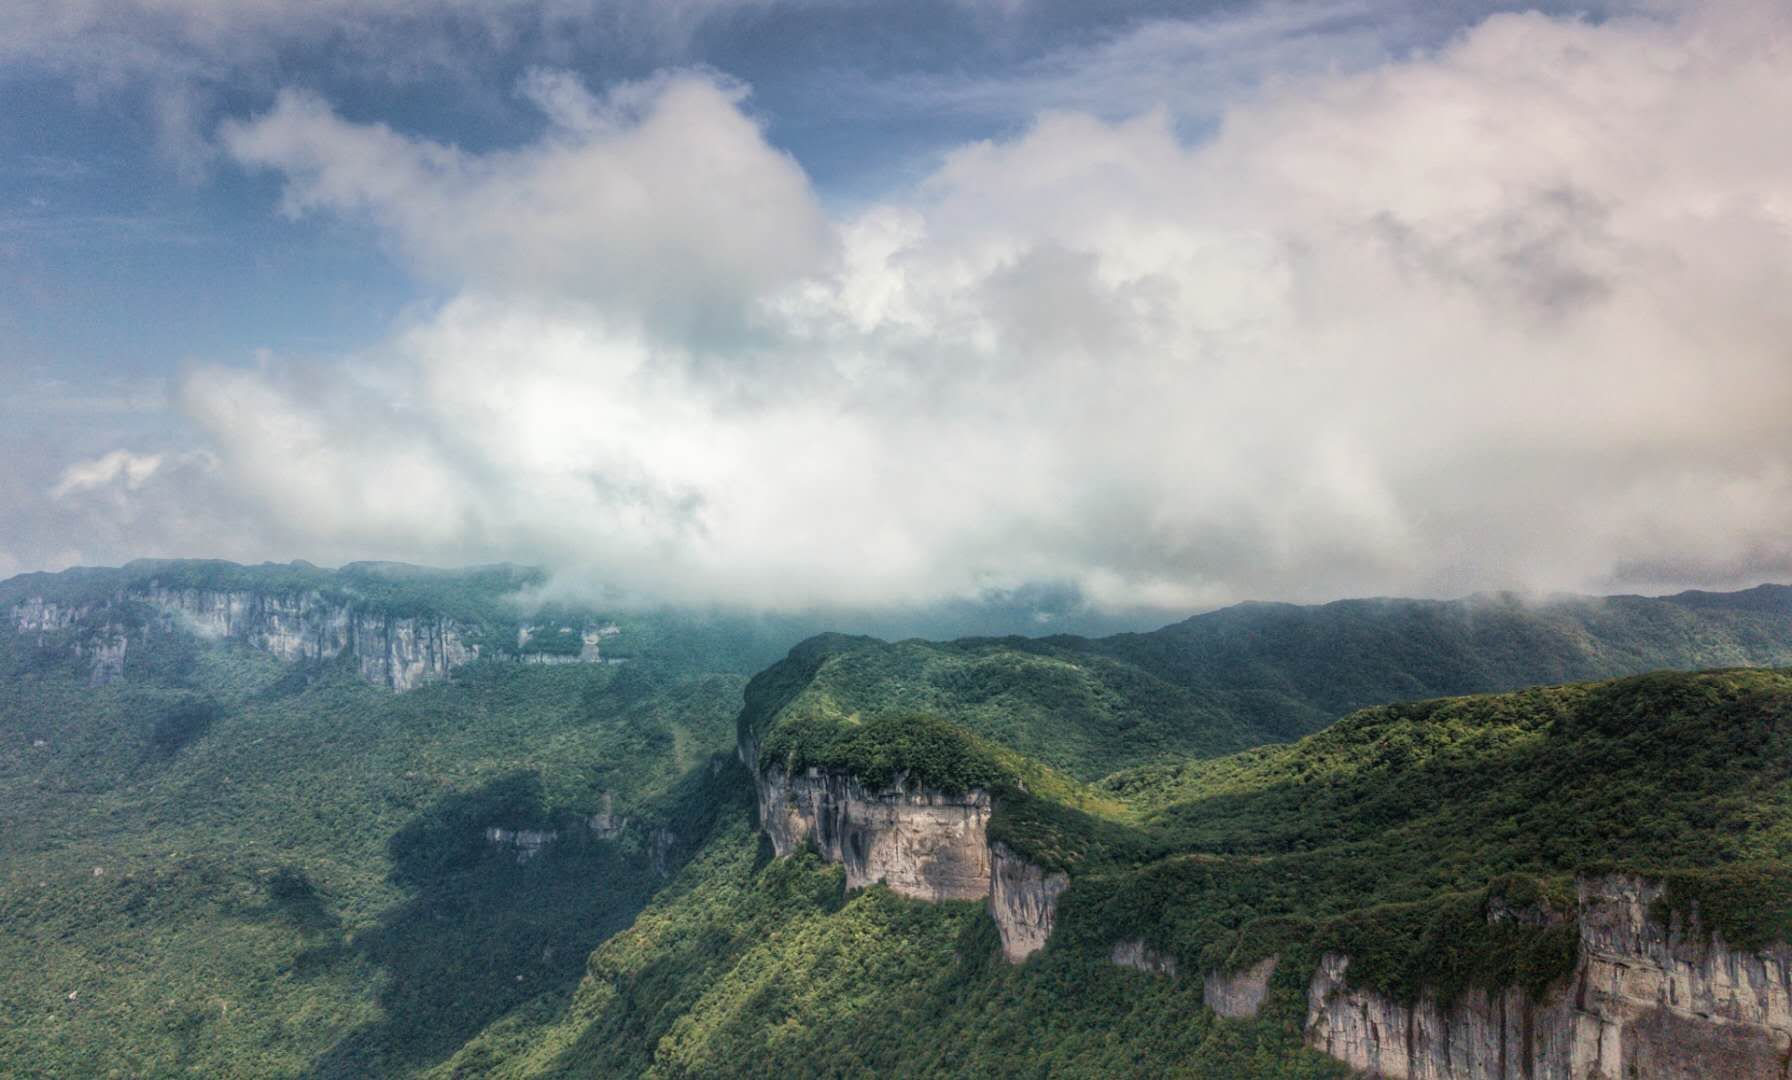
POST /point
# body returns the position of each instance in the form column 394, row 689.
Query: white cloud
column 660, row 202
column 1507, row 314
column 120, row 467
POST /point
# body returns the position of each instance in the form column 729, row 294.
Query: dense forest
column 225, row 864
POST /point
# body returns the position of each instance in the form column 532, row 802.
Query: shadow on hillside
column 482, row 932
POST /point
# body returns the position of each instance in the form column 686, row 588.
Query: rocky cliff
column 1024, row 901
column 930, row 845
column 1239, row 994
column 1645, row 999
column 396, row 651
column 926, row 844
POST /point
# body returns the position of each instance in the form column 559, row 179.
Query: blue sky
column 105, row 211
column 1164, row 304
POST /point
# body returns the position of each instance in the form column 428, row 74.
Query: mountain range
column 282, row 820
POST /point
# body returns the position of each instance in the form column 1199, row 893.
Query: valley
column 240, row 845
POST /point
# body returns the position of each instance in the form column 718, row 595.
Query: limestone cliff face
column 400, row 652
column 930, row 845
column 1645, row 1000
column 396, row 651
column 526, row 843
column 1024, row 901
column 590, row 643
column 102, row 644
column 1239, row 994
column 607, row 824
column 924, row 844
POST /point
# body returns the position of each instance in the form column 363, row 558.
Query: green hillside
column 226, row 865
column 1387, row 837
column 1260, row 673
column 222, row 864
column 1287, row 670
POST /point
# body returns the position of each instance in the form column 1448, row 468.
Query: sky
column 799, row 304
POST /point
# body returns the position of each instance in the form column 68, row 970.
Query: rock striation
column 1239, row 994
column 1024, row 900
column 926, row 844
column 1645, row 1000
column 400, row 652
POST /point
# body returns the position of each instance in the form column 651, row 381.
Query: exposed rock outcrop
column 607, row 824
column 590, row 640
column 1024, row 901
column 102, row 645
column 105, row 650
column 1140, row 956
column 396, row 651
column 664, row 843
column 1240, row 994
column 1644, row 1000
column 400, row 652
column 926, row 844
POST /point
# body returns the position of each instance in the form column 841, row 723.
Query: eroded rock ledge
column 1024, row 900
column 400, row 652
column 1644, row 1000
column 926, row 844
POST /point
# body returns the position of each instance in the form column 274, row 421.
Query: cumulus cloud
column 1511, row 313
column 661, row 201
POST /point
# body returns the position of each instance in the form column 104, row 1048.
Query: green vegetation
column 745, row 965
column 223, row 865
column 1396, row 834
column 1259, row 673
column 1286, row 671
column 241, row 867
column 1389, row 834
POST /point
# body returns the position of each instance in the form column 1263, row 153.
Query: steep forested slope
column 226, row 864
column 1288, row 670
column 536, row 861
column 1260, row 673
column 1390, row 837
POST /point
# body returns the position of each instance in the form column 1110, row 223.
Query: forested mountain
column 384, row 821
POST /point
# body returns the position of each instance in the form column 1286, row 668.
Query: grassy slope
column 1082, row 714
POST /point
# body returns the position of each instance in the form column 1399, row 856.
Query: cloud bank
column 1508, row 314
